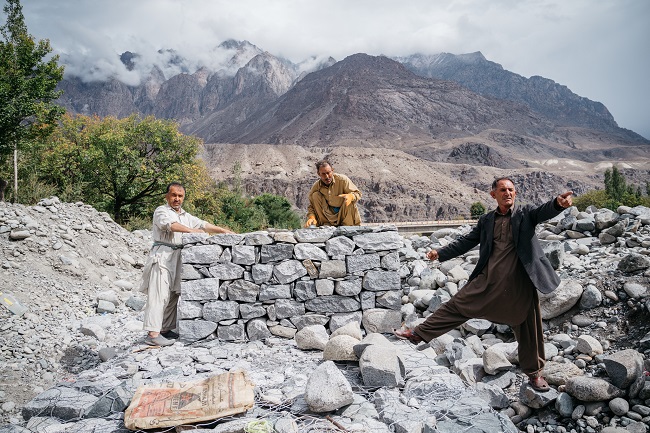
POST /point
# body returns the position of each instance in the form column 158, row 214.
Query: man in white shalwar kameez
column 161, row 279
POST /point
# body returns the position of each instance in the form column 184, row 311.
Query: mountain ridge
column 406, row 139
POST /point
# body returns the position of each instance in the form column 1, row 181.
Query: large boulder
column 624, row 367
column 561, row 299
column 327, row 389
column 592, row 389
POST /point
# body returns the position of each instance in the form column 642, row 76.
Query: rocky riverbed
column 72, row 361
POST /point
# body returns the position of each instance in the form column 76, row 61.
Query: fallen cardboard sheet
column 175, row 403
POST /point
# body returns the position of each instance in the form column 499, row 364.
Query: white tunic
column 167, row 257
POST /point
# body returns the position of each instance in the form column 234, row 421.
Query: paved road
column 424, row 228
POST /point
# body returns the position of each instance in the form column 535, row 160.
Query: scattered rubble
column 72, row 362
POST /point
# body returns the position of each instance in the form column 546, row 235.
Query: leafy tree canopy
column 617, row 192
column 121, row 166
column 27, row 83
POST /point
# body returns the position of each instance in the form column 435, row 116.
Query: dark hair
column 178, row 184
column 494, row 184
column 322, row 163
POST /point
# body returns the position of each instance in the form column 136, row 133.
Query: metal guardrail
column 425, row 223
column 423, row 227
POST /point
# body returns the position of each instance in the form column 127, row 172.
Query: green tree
column 121, row 166
column 241, row 213
column 279, row 213
column 27, row 87
column 596, row 197
column 477, row 209
column 615, row 184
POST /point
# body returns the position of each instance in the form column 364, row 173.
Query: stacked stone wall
column 251, row 286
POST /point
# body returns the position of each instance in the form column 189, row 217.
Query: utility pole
column 15, row 197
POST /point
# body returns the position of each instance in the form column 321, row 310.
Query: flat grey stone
column 382, row 241
column 624, row 367
column 276, row 252
column 314, row 235
column 226, row 271
column 312, row 337
column 285, row 308
column 234, row 332
column 243, row 291
column 305, row 251
column 63, row 403
column 259, row 238
column 348, row 287
column 592, row 389
column 391, row 261
column 200, row 290
column 261, row 273
column 225, row 239
column 201, row 254
column 309, row 320
column 284, row 236
column 276, row 291
column 633, row 262
column 243, row 254
column 257, row 330
column 248, row 311
column 216, row 311
column 377, row 280
column 362, row 262
column 324, row 287
column 194, row 238
column 189, row 272
column 380, row 366
column 194, row 330
column 391, row 300
column 288, row 271
column 332, row 269
column 339, row 246
column 189, row 309
column 340, row 348
column 582, row 320
column 381, row 320
column 116, row 400
column 304, row 290
column 332, row 304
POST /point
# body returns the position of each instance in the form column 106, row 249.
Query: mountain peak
column 475, row 57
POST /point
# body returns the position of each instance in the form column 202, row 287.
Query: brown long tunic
column 502, row 292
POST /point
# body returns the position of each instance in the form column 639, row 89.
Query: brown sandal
column 539, row 384
column 407, row 334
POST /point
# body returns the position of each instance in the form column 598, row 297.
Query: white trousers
column 159, row 284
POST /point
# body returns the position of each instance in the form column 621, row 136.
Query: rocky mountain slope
column 400, row 186
column 554, row 101
column 76, row 272
column 405, row 136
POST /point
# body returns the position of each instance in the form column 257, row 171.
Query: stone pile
column 314, row 374
column 248, row 287
column 58, row 260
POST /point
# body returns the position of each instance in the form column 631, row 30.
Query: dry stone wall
column 250, row 286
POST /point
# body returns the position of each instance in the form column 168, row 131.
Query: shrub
column 477, row 209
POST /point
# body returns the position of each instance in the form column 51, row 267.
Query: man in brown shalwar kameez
column 332, row 199
column 503, row 286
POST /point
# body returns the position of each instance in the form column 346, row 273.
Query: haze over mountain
column 448, row 114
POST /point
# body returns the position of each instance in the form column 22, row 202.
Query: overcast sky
column 597, row 48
